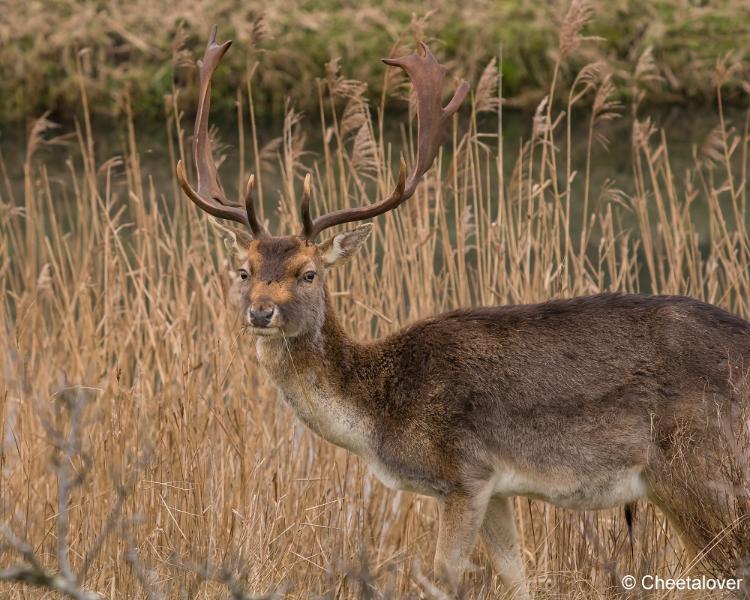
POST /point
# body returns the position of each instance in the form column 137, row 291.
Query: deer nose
column 261, row 317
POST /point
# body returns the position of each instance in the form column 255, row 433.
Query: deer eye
column 244, row 275
column 309, row 276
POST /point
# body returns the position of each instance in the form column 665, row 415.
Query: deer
column 574, row 402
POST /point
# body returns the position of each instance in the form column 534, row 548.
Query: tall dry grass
column 115, row 295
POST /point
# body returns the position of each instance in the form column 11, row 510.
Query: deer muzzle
column 261, row 315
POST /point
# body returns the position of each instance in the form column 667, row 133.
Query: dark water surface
column 685, row 129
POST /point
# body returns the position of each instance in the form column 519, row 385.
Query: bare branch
column 223, row 576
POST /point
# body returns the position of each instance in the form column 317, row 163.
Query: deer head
column 281, row 284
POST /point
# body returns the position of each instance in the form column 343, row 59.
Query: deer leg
column 460, row 518
column 692, row 550
column 501, row 540
column 699, row 507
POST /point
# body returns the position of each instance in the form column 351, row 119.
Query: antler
column 427, row 76
column 210, row 196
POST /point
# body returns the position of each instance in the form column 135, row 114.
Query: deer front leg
column 501, row 540
column 460, row 518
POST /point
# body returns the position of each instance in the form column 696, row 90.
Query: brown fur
column 571, row 401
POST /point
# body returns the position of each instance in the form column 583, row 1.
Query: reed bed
column 141, row 444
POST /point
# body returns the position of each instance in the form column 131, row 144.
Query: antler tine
column 307, row 222
column 427, row 76
column 210, row 196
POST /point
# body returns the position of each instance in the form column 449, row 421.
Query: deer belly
column 605, row 491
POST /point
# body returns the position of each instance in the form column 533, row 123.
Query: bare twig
column 224, row 576
column 32, row 572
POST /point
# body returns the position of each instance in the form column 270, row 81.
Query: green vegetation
column 140, row 48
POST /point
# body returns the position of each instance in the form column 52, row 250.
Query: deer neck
column 314, row 373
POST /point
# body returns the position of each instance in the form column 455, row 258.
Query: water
column 686, row 129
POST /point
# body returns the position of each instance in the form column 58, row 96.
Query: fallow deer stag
column 575, row 402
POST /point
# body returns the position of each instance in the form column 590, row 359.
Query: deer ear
column 342, row 246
